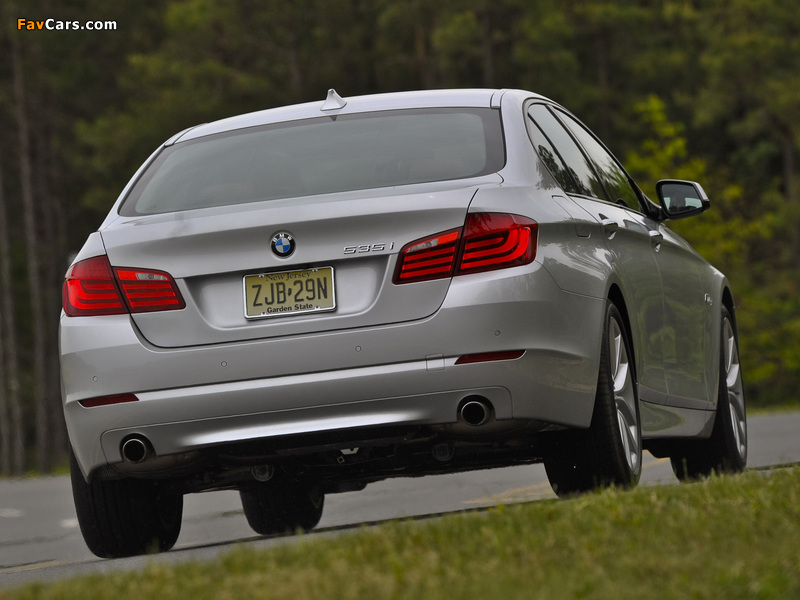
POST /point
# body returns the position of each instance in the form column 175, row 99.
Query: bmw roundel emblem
column 282, row 244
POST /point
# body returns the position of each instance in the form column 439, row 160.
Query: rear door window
column 551, row 158
column 615, row 180
column 583, row 178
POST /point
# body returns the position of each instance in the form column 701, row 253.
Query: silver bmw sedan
column 301, row 301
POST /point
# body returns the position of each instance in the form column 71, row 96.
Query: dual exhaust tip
column 136, row 450
column 476, row 411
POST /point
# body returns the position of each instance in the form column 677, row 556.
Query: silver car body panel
column 207, row 376
column 363, row 372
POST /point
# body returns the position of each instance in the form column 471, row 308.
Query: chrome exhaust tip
column 476, row 412
column 135, row 450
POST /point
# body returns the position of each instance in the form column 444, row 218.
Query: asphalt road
column 40, row 539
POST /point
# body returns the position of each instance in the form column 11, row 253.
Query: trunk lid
column 358, row 234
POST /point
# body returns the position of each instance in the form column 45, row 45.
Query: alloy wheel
column 624, row 396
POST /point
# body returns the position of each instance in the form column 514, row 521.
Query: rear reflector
column 92, row 288
column 467, row 359
column 488, row 241
column 108, row 400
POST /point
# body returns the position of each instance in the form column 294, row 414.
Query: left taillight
column 488, row 241
column 89, row 289
column 92, row 287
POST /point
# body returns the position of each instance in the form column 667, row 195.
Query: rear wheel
column 726, row 450
column 125, row 517
column 282, row 507
column 610, row 451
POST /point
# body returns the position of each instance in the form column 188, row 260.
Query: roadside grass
column 728, row 537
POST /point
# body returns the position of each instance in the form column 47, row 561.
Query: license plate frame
column 273, row 294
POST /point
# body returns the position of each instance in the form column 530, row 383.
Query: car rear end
column 351, row 290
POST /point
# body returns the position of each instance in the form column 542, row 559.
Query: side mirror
column 680, row 199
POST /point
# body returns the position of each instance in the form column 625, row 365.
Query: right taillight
column 92, row 287
column 497, row 241
column 488, row 241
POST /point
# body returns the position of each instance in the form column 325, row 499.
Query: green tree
column 49, row 79
column 751, row 101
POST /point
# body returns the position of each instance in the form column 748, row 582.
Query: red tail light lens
column 487, row 241
column 92, row 288
column 89, row 289
column 497, row 241
column 148, row 291
column 433, row 257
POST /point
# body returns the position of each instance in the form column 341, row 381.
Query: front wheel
column 610, row 451
column 125, row 517
column 726, row 450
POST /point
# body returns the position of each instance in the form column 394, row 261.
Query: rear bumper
column 404, row 374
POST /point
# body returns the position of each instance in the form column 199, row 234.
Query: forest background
column 697, row 89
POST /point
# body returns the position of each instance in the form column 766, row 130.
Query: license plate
column 289, row 293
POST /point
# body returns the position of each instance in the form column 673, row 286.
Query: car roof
column 489, row 98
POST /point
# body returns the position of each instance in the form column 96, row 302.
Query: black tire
column 726, row 450
column 282, row 507
column 609, row 453
column 125, row 517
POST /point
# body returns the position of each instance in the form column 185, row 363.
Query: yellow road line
column 536, row 491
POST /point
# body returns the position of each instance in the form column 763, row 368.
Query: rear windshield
column 320, row 156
